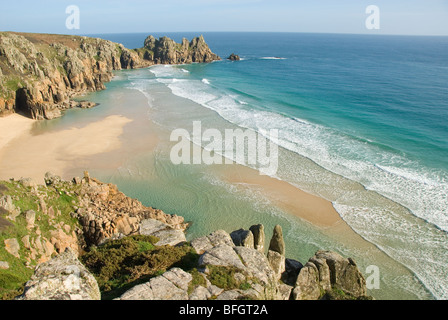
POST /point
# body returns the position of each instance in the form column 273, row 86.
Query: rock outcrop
column 62, row 278
column 234, row 57
column 40, row 74
column 105, row 213
column 328, row 275
column 166, row 51
column 219, row 266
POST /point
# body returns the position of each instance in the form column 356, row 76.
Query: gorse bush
column 121, row 264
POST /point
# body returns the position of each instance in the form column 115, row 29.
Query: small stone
column 4, row 265
column 13, row 247
column 30, row 217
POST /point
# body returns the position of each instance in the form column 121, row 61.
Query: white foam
column 406, row 182
column 205, row 81
column 273, row 58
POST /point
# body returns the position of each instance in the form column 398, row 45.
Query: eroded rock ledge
column 221, row 265
column 40, row 74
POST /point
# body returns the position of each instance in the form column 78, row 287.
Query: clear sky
column 409, row 17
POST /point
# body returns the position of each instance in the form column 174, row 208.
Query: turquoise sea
column 363, row 123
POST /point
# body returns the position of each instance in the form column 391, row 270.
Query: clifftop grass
column 24, row 199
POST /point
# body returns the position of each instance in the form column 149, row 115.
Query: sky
column 405, row 17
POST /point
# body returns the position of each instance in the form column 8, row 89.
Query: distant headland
column 41, row 73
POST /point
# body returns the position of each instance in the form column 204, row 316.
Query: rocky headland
column 41, row 74
column 85, row 240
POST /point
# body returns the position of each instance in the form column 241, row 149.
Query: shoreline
column 26, row 157
column 313, row 209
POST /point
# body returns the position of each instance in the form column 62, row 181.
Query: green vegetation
column 62, row 200
column 13, row 84
column 223, row 277
column 198, row 280
column 121, row 264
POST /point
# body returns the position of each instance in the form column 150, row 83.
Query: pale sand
column 12, row 127
column 33, row 155
column 313, row 209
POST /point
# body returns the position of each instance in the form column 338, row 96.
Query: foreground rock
column 62, row 278
column 329, row 275
column 326, row 276
column 166, row 234
column 106, row 213
column 219, row 266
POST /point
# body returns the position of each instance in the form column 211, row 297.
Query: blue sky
column 410, row 17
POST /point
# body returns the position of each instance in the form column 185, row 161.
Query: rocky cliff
column 167, row 51
column 40, row 74
column 87, row 240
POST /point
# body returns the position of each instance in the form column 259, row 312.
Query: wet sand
column 289, row 198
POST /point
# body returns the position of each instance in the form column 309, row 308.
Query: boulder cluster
column 227, row 266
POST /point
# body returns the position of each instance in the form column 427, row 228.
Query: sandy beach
column 313, row 209
column 12, row 127
column 23, row 154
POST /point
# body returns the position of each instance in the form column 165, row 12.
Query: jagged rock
column 52, row 179
column 114, row 215
column 12, row 246
column 307, row 284
column 243, row 238
column 259, row 236
column 28, row 182
column 221, row 255
column 62, row 278
column 166, row 234
column 277, row 243
column 172, row 285
column 284, row 291
column 30, row 217
column 61, row 240
column 219, row 237
column 257, row 265
column 200, row 293
column 234, row 57
column 7, row 205
column 277, row 262
column 292, row 269
column 344, row 273
column 166, row 51
column 328, row 271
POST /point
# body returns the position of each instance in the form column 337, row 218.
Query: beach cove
column 103, row 141
column 335, row 189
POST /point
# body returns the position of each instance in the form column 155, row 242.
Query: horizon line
column 273, row 32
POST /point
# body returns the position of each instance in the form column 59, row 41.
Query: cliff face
column 40, row 74
column 167, row 51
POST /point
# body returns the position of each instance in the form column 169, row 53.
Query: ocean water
column 362, row 123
